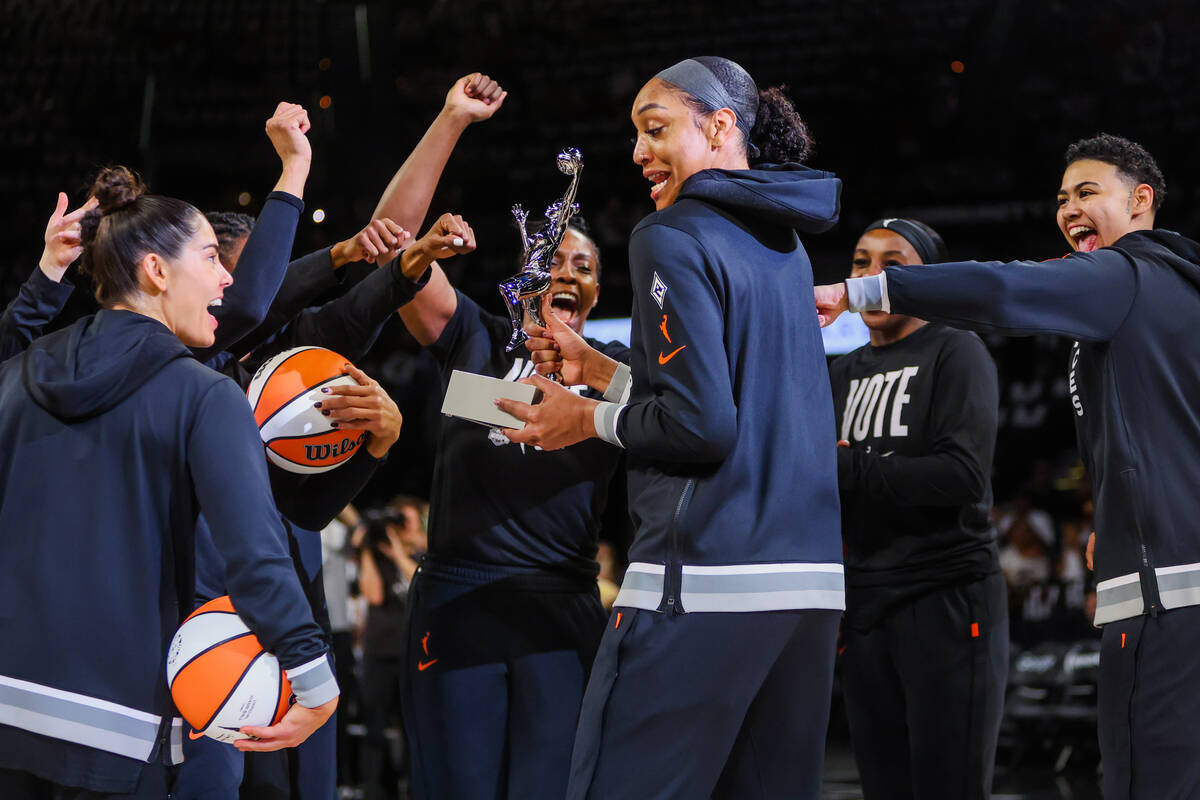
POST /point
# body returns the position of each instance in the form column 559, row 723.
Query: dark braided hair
column 128, row 224
column 229, row 226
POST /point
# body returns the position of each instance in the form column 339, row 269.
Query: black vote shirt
column 507, row 504
column 920, row 415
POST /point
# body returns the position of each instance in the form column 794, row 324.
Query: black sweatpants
column 732, row 706
column 496, row 666
column 925, row 694
column 1150, row 707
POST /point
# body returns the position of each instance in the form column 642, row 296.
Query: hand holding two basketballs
column 365, row 407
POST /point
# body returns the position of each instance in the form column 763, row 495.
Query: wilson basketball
column 220, row 676
column 297, row 436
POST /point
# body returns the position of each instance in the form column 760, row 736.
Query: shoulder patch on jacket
column 658, row 290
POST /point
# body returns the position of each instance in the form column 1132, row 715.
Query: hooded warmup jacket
column 116, row 438
column 729, row 427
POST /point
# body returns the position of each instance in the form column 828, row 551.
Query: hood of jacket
column 804, row 199
column 1182, row 254
column 88, row 368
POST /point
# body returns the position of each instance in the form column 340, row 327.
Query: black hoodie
column 115, row 439
column 1134, row 378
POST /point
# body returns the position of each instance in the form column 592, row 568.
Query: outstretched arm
column 44, row 294
column 473, row 98
column 406, row 199
column 1085, row 296
column 269, row 247
column 427, row 313
column 309, row 276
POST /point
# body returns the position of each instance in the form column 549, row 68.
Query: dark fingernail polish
column 325, row 389
column 325, row 412
column 333, row 424
column 317, row 404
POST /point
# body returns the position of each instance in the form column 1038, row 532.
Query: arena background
column 956, row 112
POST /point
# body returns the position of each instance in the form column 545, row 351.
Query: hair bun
column 116, row 187
column 779, row 132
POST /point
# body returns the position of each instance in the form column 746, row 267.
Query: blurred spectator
column 608, row 579
column 1039, row 520
column 1024, row 559
column 389, row 546
column 338, row 571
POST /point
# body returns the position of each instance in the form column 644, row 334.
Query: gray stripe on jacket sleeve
column 605, row 418
column 313, row 683
column 867, row 294
column 619, row 386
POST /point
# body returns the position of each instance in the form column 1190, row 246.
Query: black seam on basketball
column 207, row 649
column 198, row 614
column 310, row 435
column 233, row 689
column 294, row 398
column 277, row 366
column 278, row 692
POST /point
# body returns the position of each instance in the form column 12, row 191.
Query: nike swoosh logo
column 664, row 359
column 424, row 665
column 193, row 735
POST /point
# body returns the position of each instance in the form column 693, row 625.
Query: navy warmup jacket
column 115, row 439
column 729, row 427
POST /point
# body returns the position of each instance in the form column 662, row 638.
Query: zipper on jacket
column 674, row 576
column 1148, row 578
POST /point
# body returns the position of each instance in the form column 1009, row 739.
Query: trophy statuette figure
column 523, row 292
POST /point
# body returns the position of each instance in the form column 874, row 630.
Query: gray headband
column 698, row 80
column 930, row 250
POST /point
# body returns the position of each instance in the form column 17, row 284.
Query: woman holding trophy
column 714, row 674
column 504, row 612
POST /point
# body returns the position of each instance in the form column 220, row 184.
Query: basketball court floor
column 1026, row 782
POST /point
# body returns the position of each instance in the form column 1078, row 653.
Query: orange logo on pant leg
column 424, row 665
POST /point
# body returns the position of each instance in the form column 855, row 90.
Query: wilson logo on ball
column 283, row 393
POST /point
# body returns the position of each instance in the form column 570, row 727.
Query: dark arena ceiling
column 953, row 111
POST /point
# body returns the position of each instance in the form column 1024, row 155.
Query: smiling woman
column 730, row 448
column 153, row 255
column 119, row 437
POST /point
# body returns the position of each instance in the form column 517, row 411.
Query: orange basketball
column 282, row 394
column 220, row 676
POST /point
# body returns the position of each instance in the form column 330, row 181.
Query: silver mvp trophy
column 523, row 291
column 470, row 396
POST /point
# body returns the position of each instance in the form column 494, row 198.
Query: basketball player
column 140, row 437
column 732, row 482
column 349, row 325
column 925, row 637
column 1129, row 295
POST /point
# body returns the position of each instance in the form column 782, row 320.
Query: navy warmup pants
column 1150, row 707
column 496, row 667
column 722, row 705
column 215, row 770
column 925, row 693
column 154, row 784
